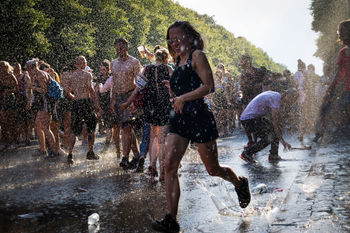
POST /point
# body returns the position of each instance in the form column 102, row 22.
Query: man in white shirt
column 255, row 121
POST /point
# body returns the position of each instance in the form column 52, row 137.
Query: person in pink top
column 343, row 71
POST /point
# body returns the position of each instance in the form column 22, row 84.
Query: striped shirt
column 141, row 81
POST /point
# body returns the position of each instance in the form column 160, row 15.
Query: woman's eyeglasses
column 173, row 40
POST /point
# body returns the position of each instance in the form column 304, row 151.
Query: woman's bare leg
column 209, row 155
column 176, row 147
column 163, row 130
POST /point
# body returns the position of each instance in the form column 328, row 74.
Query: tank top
column 185, row 79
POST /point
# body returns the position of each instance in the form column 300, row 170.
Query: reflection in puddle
column 311, row 184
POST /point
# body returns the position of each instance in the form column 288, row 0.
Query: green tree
column 326, row 16
column 22, row 30
column 70, row 33
column 59, row 30
column 110, row 22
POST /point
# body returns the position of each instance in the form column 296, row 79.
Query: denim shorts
column 122, row 117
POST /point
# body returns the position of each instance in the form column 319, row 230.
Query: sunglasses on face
column 173, row 40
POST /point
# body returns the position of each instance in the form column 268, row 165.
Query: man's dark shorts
column 83, row 112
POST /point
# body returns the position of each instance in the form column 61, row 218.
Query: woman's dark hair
column 344, row 32
column 190, row 31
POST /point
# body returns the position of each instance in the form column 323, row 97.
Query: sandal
column 243, row 192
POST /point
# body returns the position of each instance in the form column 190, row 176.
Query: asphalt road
column 307, row 191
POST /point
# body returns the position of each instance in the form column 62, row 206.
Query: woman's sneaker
column 243, row 192
column 168, row 224
column 91, row 156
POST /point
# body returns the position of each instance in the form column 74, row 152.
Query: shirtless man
column 124, row 72
column 84, row 101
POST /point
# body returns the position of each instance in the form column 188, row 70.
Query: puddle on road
column 266, row 206
column 311, row 184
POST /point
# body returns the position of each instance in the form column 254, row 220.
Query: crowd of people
column 167, row 104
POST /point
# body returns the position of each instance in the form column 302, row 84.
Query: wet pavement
column 307, row 191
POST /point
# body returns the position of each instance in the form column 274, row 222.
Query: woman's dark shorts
column 198, row 126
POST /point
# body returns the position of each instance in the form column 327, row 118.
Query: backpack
column 54, row 90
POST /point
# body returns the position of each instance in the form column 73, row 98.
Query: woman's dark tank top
column 185, row 79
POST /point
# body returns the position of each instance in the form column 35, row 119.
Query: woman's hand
column 178, row 104
column 286, row 145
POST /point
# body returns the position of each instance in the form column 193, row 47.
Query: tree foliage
column 22, row 30
column 59, row 30
column 326, row 16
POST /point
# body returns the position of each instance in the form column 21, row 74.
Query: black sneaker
column 247, row 158
column 168, row 224
column 91, row 156
column 70, row 159
column 139, row 167
column 124, row 163
column 243, row 192
column 133, row 163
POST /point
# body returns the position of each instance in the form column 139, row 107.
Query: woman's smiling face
column 179, row 42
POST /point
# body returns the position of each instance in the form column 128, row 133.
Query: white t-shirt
column 262, row 105
column 299, row 79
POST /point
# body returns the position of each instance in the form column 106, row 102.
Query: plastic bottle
column 141, row 51
column 259, row 189
column 93, row 219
